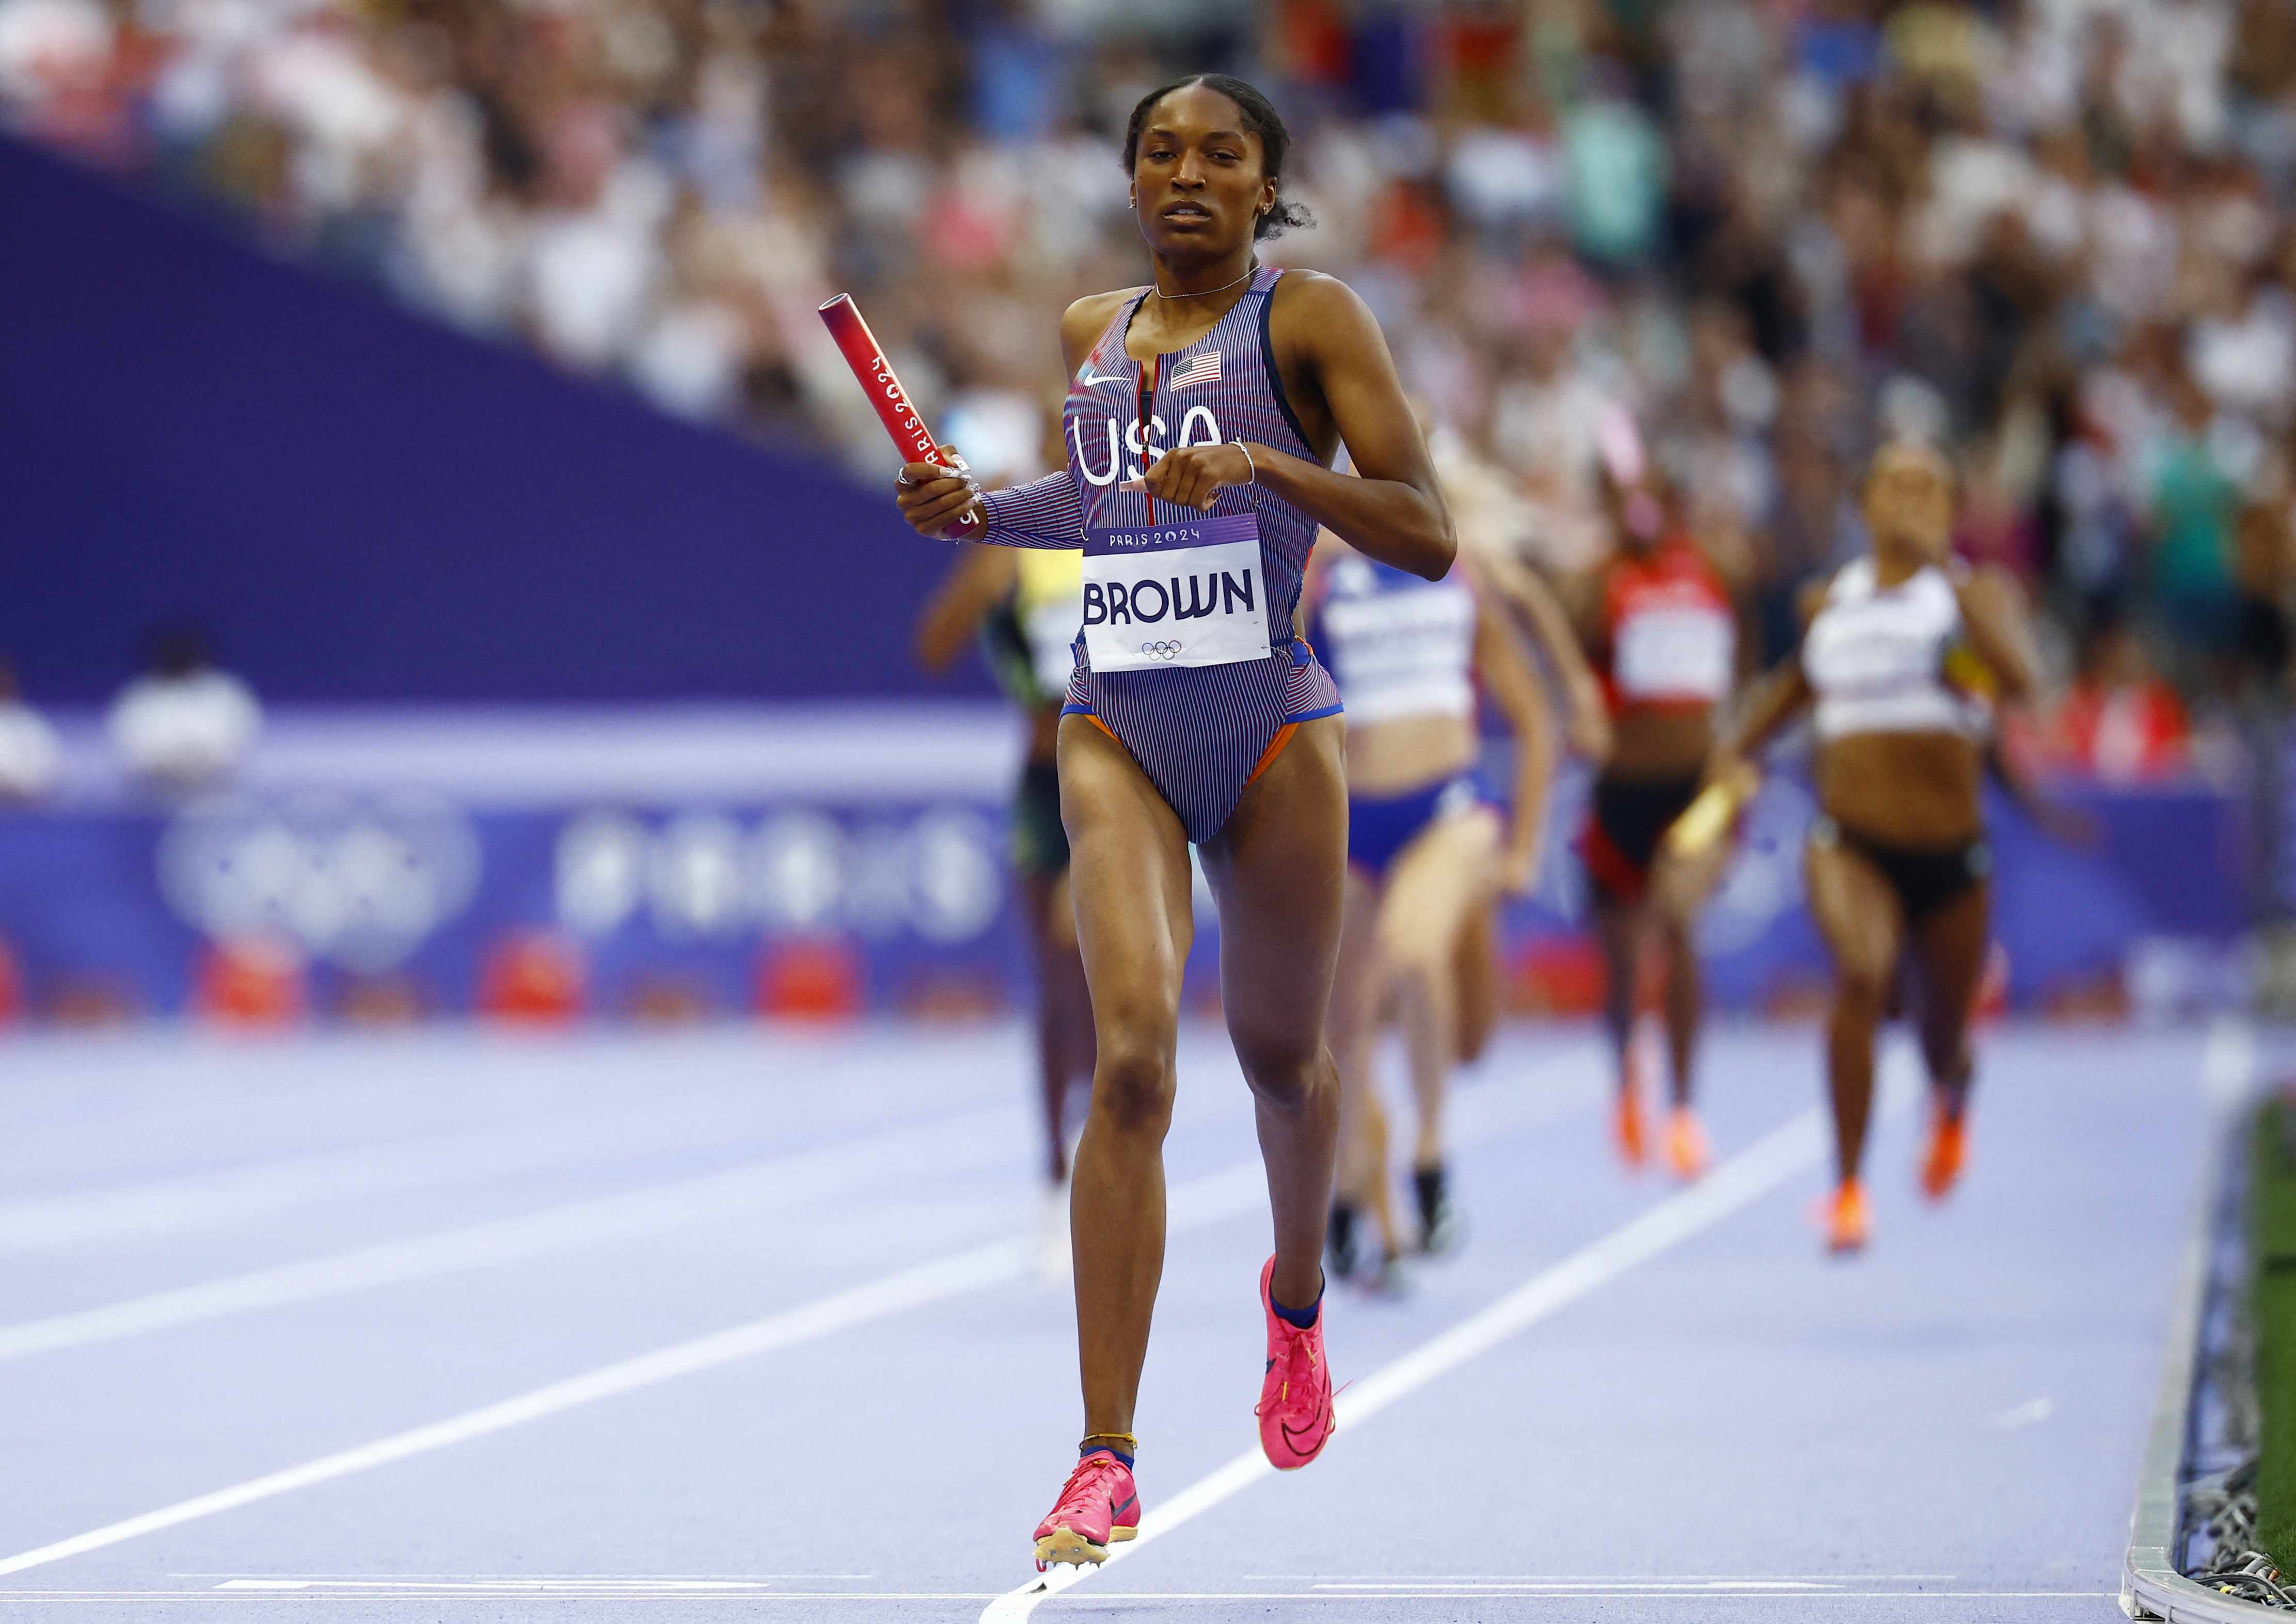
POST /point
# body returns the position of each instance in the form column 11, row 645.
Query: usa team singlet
column 1188, row 653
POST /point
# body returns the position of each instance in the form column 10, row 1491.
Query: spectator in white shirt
column 184, row 723
column 28, row 744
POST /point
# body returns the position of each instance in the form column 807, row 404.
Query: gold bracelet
column 1130, row 1441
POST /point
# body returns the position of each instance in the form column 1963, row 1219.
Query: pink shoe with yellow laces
column 1295, row 1395
column 1098, row 1507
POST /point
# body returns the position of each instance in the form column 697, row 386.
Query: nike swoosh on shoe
column 1292, row 1435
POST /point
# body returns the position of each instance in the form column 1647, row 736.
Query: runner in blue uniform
column 1427, row 854
column 1203, row 415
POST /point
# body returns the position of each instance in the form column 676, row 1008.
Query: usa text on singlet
column 1185, row 594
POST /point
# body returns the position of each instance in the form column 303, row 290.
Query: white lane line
column 1736, row 1183
column 1235, row 1190
column 503, row 1587
column 1224, row 1195
column 253, row 1189
column 735, row 1193
column 543, row 1140
column 739, row 1192
column 1560, row 1578
column 909, row 1288
column 532, row 1136
column 173, row 1204
column 752, row 1599
column 1098, row 1598
column 1764, row 1585
column 418, row 1581
column 1207, row 1199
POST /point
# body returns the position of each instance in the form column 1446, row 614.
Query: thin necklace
column 1208, row 292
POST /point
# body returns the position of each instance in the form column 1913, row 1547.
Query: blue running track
column 726, row 1323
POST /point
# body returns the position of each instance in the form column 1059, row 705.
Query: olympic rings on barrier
column 1162, row 650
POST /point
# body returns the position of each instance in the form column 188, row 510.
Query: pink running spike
column 1098, row 1506
column 1295, row 1396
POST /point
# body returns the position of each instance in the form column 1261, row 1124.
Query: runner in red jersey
column 1658, row 627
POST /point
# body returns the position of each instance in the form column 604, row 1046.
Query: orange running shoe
column 1948, row 1147
column 1848, row 1224
column 1626, row 1122
column 1685, row 1143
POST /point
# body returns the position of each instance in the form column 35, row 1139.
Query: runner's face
column 1909, row 503
column 1637, row 516
column 1198, row 183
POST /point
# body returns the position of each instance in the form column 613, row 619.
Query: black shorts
column 1925, row 879
column 1040, row 841
column 1629, row 818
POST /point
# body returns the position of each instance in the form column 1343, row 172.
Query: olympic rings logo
column 1162, row 650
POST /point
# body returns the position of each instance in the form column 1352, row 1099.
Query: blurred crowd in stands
column 183, row 724
column 2054, row 235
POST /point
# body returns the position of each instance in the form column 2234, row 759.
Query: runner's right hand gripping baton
column 916, row 442
column 1711, row 815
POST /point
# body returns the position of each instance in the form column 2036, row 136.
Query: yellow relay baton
column 1709, row 817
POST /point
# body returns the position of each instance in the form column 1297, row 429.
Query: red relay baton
column 867, row 357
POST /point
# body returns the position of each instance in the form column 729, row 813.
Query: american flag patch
column 1203, row 369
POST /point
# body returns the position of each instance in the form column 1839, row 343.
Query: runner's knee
column 1420, row 964
column 1132, row 1082
column 1860, row 989
column 1945, row 1051
column 1282, row 1071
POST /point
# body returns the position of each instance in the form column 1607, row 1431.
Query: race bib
column 1189, row 594
column 1678, row 654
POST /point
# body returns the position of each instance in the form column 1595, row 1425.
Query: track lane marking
column 176, row 1201
column 317, row 1601
column 256, row 1189
column 1780, row 1155
column 737, row 1192
column 909, row 1288
column 1216, row 1196
column 1232, row 1191
column 753, row 1597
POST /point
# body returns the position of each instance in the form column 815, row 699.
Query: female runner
column 1426, row 856
column 1024, row 607
column 1657, row 623
column 1897, row 863
column 1204, row 414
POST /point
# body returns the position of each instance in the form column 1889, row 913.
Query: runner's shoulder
column 1315, row 297
column 1083, row 322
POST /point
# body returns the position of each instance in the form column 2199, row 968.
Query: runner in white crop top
column 1427, row 856
column 1898, row 864
column 1877, row 657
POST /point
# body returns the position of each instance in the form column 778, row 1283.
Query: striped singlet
column 1200, row 732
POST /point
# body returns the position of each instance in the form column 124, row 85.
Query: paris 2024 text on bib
column 1189, row 594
